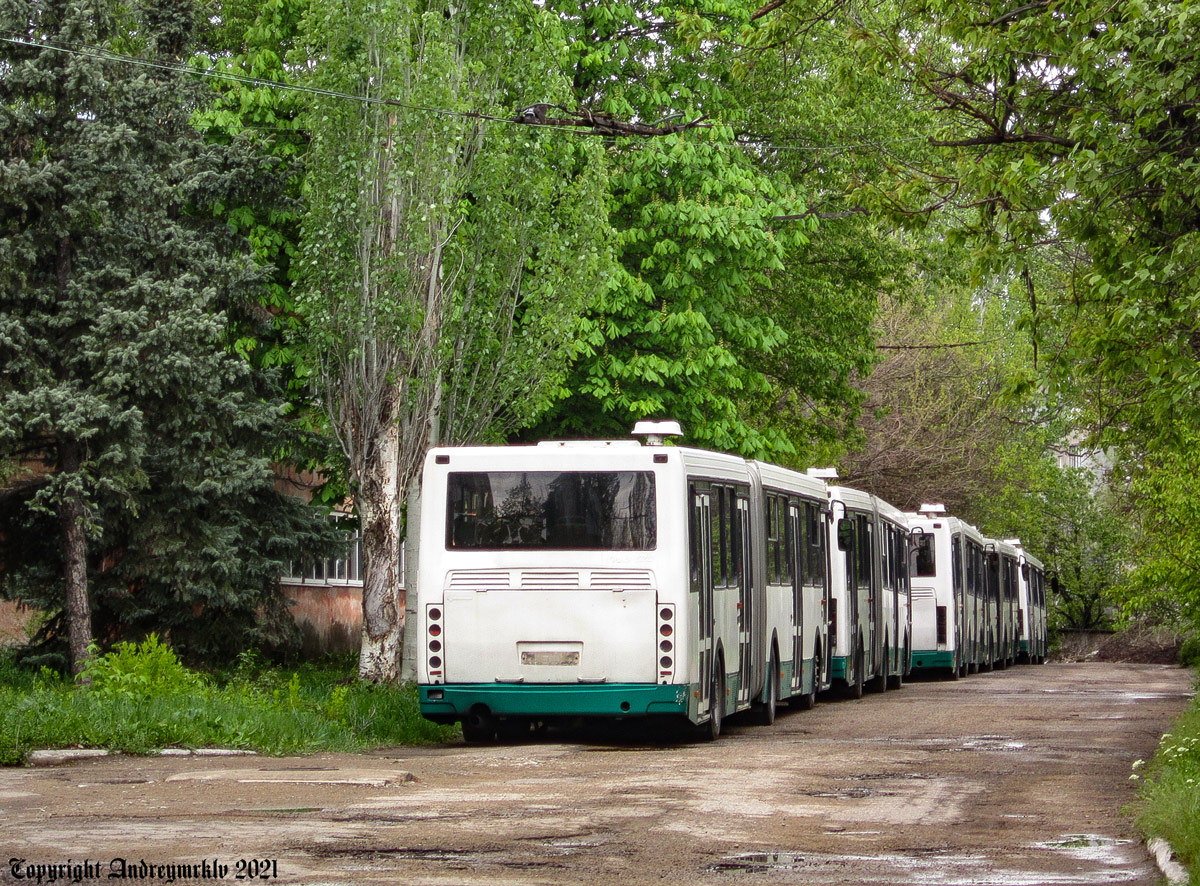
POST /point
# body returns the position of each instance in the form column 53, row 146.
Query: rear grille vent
column 481, row 579
column 549, row 579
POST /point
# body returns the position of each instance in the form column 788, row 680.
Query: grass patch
column 141, row 699
column 1170, row 795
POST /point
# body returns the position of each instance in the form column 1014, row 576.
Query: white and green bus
column 948, row 595
column 870, row 607
column 612, row 579
column 1031, row 607
column 1001, row 583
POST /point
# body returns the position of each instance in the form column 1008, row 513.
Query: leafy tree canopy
column 1071, row 122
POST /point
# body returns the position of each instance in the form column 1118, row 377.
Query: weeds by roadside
column 1170, row 794
column 139, row 698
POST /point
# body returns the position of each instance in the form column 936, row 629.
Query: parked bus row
column 618, row 579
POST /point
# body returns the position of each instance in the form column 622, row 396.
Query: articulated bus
column 796, row 574
column 1031, row 607
column 948, row 593
column 614, row 579
column 870, row 611
column 1002, row 601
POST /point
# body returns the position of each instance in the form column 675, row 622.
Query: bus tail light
column 433, row 647
column 666, row 629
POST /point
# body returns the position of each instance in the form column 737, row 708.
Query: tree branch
column 857, row 210
column 766, row 10
column 1006, row 139
column 959, row 344
column 598, row 123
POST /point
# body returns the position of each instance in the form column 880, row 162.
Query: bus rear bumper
column 449, row 702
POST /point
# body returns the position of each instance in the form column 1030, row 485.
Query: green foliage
column 457, row 250
column 672, row 332
column 1075, row 529
column 315, row 708
column 1189, row 652
column 1072, row 126
column 117, row 288
column 1170, row 791
column 247, row 44
column 1164, row 499
column 721, row 313
column 138, row 670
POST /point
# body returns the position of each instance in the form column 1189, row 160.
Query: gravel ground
column 1009, row 778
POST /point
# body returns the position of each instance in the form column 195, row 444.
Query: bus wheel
column 856, row 686
column 896, row 680
column 880, row 682
column 478, row 730
column 808, row 700
column 766, row 715
column 716, row 714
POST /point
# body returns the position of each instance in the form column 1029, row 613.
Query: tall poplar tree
column 444, row 256
column 125, row 418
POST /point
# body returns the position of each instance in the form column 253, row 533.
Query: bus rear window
column 551, row 510
column 923, row 562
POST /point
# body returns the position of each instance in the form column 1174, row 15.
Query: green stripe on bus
column 551, row 699
column 932, row 659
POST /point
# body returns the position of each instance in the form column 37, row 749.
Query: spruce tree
column 139, row 492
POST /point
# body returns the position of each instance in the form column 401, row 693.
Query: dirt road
column 1009, row 778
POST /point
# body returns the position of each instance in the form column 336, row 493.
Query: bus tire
column 476, row 733
column 881, row 681
column 716, row 713
column 896, row 680
column 855, row 686
column 766, row 715
column 808, row 700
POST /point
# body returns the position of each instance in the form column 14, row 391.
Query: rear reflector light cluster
column 666, row 643
column 434, row 653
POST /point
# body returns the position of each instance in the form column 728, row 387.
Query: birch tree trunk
column 412, row 566
column 378, row 502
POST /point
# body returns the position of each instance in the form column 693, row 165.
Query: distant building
column 1075, row 455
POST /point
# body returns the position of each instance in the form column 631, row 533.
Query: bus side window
column 789, row 553
column 737, row 560
column 818, row 541
column 694, row 530
column 866, row 551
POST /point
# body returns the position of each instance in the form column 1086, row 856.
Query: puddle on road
column 1088, row 847
column 993, row 743
column 848, row 794
column 759, row 862
column 383, row 858
column 1094, row 860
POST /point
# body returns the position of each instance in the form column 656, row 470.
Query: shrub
column 1189, row 652
column 139, row 670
